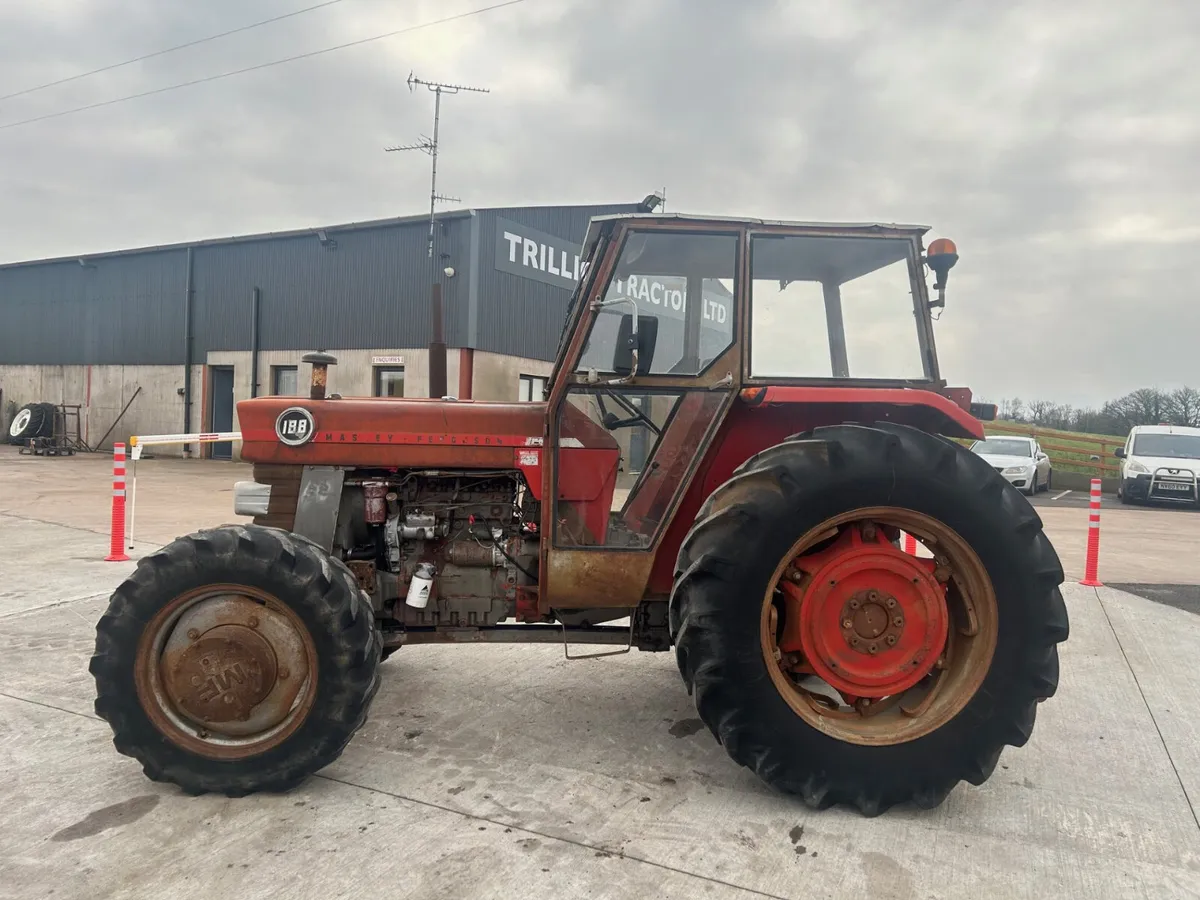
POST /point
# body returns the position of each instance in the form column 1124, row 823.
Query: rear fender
column 763, row 417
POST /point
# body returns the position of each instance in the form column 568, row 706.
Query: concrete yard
column 507, row 771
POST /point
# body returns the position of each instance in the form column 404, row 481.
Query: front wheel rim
column 226, row 671
column 869, row 644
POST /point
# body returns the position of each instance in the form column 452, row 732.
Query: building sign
column 387, row 360
column 665, row 296
column 533, row 254
column 529, row 253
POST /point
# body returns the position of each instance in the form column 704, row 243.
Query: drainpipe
column 466, row 372
column 187, row 353
column 255, row 301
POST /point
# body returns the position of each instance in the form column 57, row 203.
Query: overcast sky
column 1058, row 143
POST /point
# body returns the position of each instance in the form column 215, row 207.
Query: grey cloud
column 1054, row 141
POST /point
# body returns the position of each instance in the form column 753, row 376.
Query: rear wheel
column 31, row 421
column 840, row 668
column 235, row 660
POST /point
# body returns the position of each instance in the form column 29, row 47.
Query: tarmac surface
column 506, row 771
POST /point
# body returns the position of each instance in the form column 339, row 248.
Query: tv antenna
column 437, row 339
column 430, row 145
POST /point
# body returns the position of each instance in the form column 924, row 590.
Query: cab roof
column 840, row 264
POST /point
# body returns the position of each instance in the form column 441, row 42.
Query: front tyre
column 838, row 667
column 236, row 659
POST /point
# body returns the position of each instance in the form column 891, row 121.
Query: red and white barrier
column 1090, row 569
column 136, row 444
column 116, row 544
column 910, row 544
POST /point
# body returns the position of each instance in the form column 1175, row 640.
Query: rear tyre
column 236, row 659
column 799, row 501
column 31, row 421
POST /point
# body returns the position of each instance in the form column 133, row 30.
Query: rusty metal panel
column 591, row 578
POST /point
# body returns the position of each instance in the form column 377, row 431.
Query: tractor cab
column 677, row 319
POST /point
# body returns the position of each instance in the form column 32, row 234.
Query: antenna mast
column 437, row 340
column 430, row 145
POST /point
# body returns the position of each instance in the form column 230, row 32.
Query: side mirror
column 984, row 412
column 1119, row 453
column 642, row 342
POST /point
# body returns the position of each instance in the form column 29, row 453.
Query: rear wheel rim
column 870, row 645
column 226, row 671
column 20, row 422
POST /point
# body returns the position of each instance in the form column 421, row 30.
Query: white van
column 1160, row 462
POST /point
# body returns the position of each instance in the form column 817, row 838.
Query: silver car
column 1020, row 460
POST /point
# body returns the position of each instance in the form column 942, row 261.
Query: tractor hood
column 388, row 432
column 412, row 433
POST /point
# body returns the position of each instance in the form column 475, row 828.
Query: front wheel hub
column 228, row 669
column 868, row 618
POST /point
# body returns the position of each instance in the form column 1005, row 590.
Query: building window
column 389, row 381
column 285, row 381
column 532, row 387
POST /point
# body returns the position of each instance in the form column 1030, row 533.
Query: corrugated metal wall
column 520, row 316
column 371, row 290
column 112, row 310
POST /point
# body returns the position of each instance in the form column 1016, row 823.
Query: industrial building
column 173, row 336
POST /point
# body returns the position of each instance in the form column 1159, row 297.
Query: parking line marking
column 1060, row 496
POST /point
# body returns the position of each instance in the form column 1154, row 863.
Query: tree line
column 1146, row 406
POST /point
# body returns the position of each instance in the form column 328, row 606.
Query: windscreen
column 1002, row 447
column 683, row 280
column 1169, row 446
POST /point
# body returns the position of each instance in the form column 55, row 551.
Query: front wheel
column 838, row 667
column 235, row 660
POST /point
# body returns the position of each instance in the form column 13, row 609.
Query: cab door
column 627, row 429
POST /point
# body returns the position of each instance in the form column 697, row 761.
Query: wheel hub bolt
column 252, row 621
column 284, row 672
column 193, row 634
column 847, row 623
column 854, row 642
column 872, row 596
column 890, row 603
column 854, row 604
column 898, row 621
column 873, row 648
column 891, row 640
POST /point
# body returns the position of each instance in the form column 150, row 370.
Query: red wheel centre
column 870, row 619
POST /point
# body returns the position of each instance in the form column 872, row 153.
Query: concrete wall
column 103, row 392
column 158, row 409
column 498, row 377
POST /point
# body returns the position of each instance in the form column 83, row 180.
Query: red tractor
column 744, row 427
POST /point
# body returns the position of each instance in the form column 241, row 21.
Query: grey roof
column 270, row 235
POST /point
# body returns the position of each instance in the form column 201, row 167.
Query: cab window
column 682, row 286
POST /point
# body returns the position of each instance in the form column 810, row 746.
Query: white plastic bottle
column 420, row 586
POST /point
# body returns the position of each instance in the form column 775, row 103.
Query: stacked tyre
column 33, row 420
